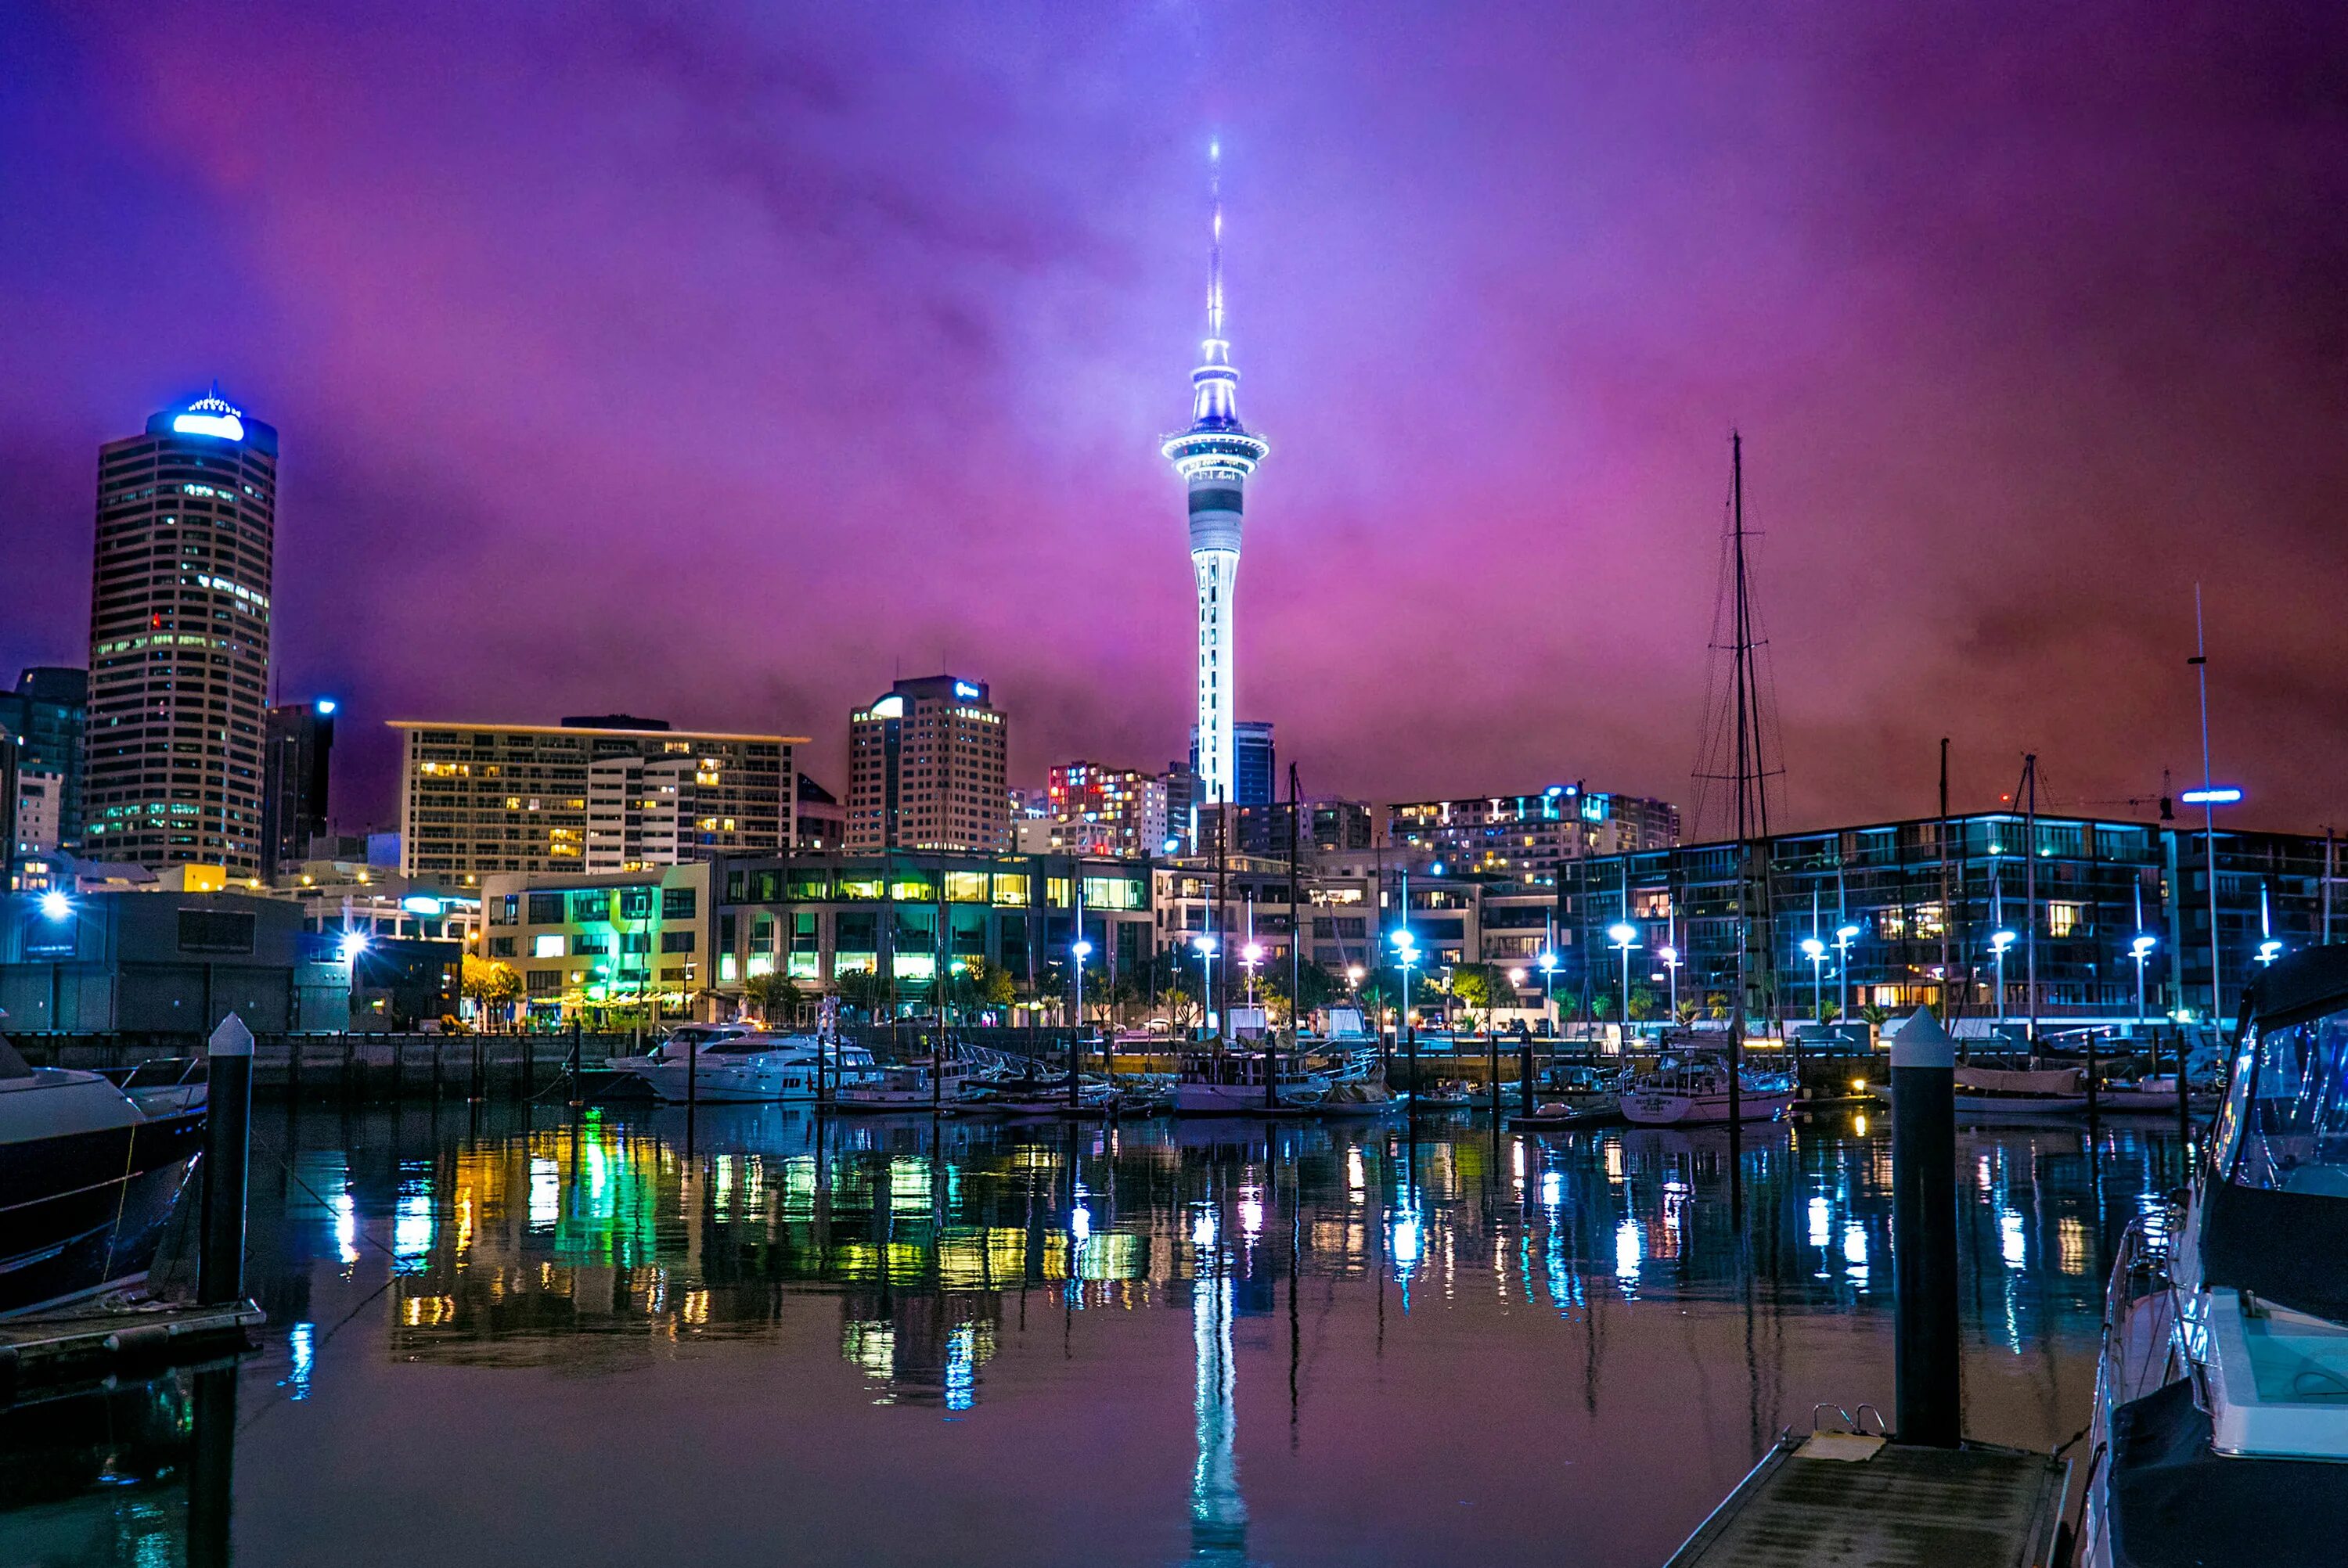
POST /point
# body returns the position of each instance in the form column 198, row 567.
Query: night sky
column 722, row 363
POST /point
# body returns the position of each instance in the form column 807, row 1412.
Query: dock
column 1839, row 1499
column 96, row 1342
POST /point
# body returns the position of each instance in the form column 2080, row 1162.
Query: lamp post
column 1844, row 936
column 1671, row 957
column 1816, row 951
column 2142, row 949
column 1251, row 956
column 1549, row 992
column 1406, row 955
column 1624, row 935
column 1206, row 948
column 1998, row 943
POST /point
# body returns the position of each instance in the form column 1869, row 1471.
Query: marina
column 1196, row 1339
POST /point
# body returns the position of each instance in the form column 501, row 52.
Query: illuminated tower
column 1215, row 455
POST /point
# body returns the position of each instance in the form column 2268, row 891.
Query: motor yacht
column 87, row 1179
column 1232, row 1083
column 2220, row 1430
column 733, row 1063
column 1691, row 1089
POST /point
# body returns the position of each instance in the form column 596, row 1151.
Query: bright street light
column 1081, row 949
column 1624, row 935
column 353, row 943
column 1999, row 942
column 1816, row 951
column 56, row 905
column 2140, row 949
column 1844, row 935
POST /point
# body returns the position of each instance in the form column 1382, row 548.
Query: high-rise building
column 1255, row 762
column 480, row 798
column 1517, row 833
column 1098, row 809
column 925, row 766
column 299, row 742
column 179, row 640
column 822, row 822
column 1214, row 456
column 49, row 715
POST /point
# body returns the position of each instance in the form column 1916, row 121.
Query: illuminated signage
column 326, row 706
column 227, row 426
column 423, row 904
column 965, row 689
column 888, row 707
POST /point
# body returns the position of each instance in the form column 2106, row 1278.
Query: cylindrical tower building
column 1214, row 456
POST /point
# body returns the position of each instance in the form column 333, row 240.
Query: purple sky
column 692, row 361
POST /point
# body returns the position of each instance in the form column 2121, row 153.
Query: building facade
column 1910, row 913
column 925, row 769
column 1255, row 765
column 478, row 799
column 49, row 715
column 820, row 822
column 1321, row 826
column 1092, row 809
column 297, row 748
column 179, row 640
column 166, row 963
column 1506, row 834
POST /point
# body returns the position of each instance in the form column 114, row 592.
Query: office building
column 1924, row 904
column 179, row 629
column 1214, row 458
column 38, row 801
column 298, row 743
column 482, row 798
column 49, row 715
column 1506, row 834
column 1255, row 765
column 144, row 963
column 925, row 766
column 1322, row 826
column 1093, row 809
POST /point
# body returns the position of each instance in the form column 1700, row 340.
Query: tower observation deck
column 1215, row 457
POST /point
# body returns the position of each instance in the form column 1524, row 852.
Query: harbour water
column 504, row 1334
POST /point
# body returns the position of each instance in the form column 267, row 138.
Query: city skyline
column 1498, row 508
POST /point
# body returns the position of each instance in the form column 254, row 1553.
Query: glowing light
column 1821, row 1215
column 1202, row 1228
column 1081, row 949
column 1844, row 933
column 1620, row 933
column 1629, row 1246
column 1813, row 949
column 2001, row 940
column 888, row 707
column 353, row 943
column 1251, row 1214
column 1407, row 1240
column 2010, row 1241
column 227, row 426
column 423, row 904
column 2225, row 795
column 2143, row 946
column 1252, row 952
column 1552, row 1189
column 56, row 905
column 965, row 689
column 2269, row 951
column 1080, row 1222
column 325, row 707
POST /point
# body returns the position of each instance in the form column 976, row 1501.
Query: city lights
column 56, row 905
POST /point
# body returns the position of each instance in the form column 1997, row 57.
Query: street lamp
column 1844, row 936
column 56, row 905
column 1671, row 957
column 1206, row 948
column 353, row 943
column 1079, row 949
column 1549, row 991
column 1998, row 943
column 2140, row 949
column 1406, row 955
column 1625, row 937
column 1816, row 951
column 1251, row 954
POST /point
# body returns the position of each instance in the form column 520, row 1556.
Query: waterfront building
column 1214, row 458
column 1323, row 826
column 815, row 918
column 1519, row 833
column 1924, row 902
column 297, row 747
column 925, row 769
column 136, row 962
column 47, row 714
column 179, row 639
column 1093, row 809
column 637, row 938
column 476, row 799
column 820, row 823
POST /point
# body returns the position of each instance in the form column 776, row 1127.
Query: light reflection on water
column 494, row 1333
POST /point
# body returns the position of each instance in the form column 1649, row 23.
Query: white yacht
column 1230, row 1083
column 733, row 1062
column 2220, row 1433
column 1691, row 1091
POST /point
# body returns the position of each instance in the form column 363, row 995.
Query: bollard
column 1924, row 1233
column 1525, row 1079
column 228, row 1115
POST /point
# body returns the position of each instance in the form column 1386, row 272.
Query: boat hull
column 85, row 1211
column 1654, row 1108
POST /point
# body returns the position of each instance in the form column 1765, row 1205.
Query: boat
column 1356, row 1088
column 732, row 1063
column 2018, row 1091
column 1586, row 1097
column 891, row 1090
column 1230, row 1083
column 87, row 1179
column 1691, row 1089
column 2220, row 1425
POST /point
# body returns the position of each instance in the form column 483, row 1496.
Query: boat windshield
column 2275, row 1211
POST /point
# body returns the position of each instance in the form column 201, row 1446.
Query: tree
column 1687, row 1011
column 489, row 984
column 979, row 984
column 1181, row 1007
column 1715, row 1006
column 1642, row 1002
column 776, row 995
column 1482, row 989
column 1319, row 989
column 861, row 990
column 1876, row 1016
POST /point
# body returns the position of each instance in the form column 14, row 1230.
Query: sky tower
column 1215, row 455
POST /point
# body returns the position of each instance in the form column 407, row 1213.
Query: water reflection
column 1582, row 1322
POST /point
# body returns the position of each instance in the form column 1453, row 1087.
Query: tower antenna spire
column 1218, row 349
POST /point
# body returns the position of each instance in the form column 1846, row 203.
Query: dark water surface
column 508, row 1335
